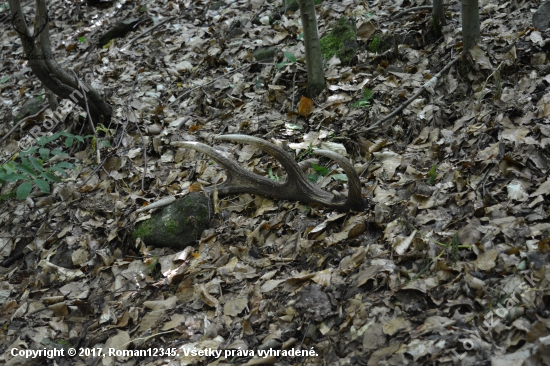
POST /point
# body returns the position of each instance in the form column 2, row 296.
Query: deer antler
column 296, row 187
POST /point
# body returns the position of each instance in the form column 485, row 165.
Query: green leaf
column 340, row 177
column 42, row 185
column 106, row 143
column 320, row 169
column 44, row 153
column 280, row 65
column 58, row 152
column 24, row 190
column 15, row 177
column 26, row 169
column 5, row 79
column 51, row 177
column 313, row 177
column 69, row 141
column 289, row 56
column 37, row 164
column 29, row 151
column 47, row 140
column 273, row 176
column 432, row 175
column 293, row 126
column 82, row 39
column 60, row 171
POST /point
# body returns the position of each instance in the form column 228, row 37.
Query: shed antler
column 296, row 187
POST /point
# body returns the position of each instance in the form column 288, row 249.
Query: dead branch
column 296, row 187
column 410, row 10
column 431, row 83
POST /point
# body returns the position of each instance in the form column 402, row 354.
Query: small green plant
column 289, row 56
column 320, row 171
column 432, row 175
column 33, row 167
column 7, row 196
column 101, row 128
column 337, row 41
column 374, row 45
column 272, row 176
column 366, row 96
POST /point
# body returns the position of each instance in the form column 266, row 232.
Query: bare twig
column 210, row 82
column 23, row 120
column 410, row 10
column 89, row 118
column 432, row 82
column 145, row 32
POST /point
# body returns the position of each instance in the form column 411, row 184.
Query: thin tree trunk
column 438, row 15
column 45, row 67
column 314, row 58
column 470, row 23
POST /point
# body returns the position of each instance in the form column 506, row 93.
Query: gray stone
column 541, row 18
column 265, row 53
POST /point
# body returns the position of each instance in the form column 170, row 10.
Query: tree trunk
column 314, row 58
column 470, row 24
column 438, row 16
column 46, row 69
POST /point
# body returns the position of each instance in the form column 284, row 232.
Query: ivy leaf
column 42, row 185
column 24, row 190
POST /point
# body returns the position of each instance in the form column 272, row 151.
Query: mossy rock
column 265, row 53
column 118, row 31
column 178, row 225
column 340, row 42
column 292, row 5
column 30, row 107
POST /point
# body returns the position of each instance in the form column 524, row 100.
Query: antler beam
column 296, row 187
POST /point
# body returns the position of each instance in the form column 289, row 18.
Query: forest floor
column 448, row 264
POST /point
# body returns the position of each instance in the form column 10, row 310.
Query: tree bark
column 46, row 69
column 314, row 58
column 470, row 24
column 438, row 15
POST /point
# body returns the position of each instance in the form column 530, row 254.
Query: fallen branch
column 431, row 83
column 145, row 32
column 210, row 82
column 23, row 120
column 410, row 10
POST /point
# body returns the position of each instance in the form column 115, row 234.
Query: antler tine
column 354, row 200
column 239, row 180
column 290, row 166
column 296, row 187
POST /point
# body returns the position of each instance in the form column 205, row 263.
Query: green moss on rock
column 177, row 225
column 340, row 42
